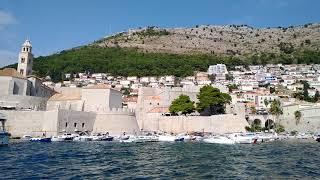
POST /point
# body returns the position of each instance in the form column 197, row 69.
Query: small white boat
column 127, row 138
column 4, row 135
column 82, row 138
column 64, row 137
column 102, row 137
column 303, row 136
column 170, row 138
column 187, row 137
column 146, row 138
column 219, row 140
column 266, row 137
column 26, row 137
column 244, row 138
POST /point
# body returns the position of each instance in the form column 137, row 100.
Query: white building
column 218, row 69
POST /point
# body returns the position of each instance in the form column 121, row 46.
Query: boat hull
column 219, row 141
column 40, row 139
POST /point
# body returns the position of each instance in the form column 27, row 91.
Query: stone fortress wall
column 71, row 112
column 154, row 102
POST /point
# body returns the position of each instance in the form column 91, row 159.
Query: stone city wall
column 23, row 102
column 219, row 124
column 116, row 122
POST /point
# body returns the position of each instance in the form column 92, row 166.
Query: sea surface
column 109, row 160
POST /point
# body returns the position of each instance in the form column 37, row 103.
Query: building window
column 24, row 49
column 27, row 49
column 66, row 124
column 82, row 125
column 21, row 71
column 23, row 60
column 75, row 125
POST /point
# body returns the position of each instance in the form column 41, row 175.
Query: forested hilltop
column 131, row 62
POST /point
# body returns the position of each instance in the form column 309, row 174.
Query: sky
column 55, row 25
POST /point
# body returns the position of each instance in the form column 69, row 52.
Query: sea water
column 110, row 160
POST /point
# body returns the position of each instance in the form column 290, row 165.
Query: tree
column 182, row 105
column 266, row 102
column 272, row 90
column 255, row 126
column 286, row 47
column 212, row 100
column 276, row 110
column 71, row 77
column 316, row 97
column 253, row 110
column 126, row 91
column 232, row 87
column 297, row 116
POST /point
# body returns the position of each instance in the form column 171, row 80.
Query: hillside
column 156, row 52
column 231, row 39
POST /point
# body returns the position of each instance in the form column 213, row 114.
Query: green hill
column 132, row 62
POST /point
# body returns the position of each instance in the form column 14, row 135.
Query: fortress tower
column 25, row 59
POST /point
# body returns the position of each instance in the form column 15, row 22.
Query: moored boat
column 219, row 140
column 83, row 138
column 170, row 138
column 26, row 137
column 4, row 135
column 244, row 138
column 146, row 138
column 63, row 138
column 39, row 139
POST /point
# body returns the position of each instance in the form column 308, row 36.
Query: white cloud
column 7, row 57
column 6, row 19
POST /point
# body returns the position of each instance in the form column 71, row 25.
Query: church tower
column 25, row 59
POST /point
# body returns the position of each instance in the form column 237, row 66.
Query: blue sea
column 109, row 160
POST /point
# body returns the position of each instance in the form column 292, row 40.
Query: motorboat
column 63, row 138
column 303, row 136
column 219, row 140
column 127, row 138
column 318, row 139
column 187, row 137
column 107, row 138
column 266, row 137
column 26, row 137
column 244, row 138
column 146, row 138
column 39, row 139
column 57, row 139
column 102, row 137
column 83, row 138
column 170, row 138
column 4, row 135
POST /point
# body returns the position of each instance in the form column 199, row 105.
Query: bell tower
column 25, row 60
